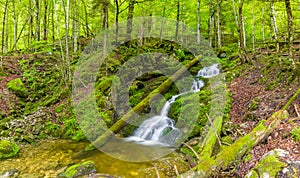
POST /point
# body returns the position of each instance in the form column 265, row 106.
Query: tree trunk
column 15, row 25
column 236, row 20
column 129, row 19
column 177, row 20
column 37, row 23
column 263, row 25
column 274, row 22
column 121, row 123
column 219, row 24
column 45, row 30
column 74, row 26
column 210, row 21
column 105, row 14
column 290, row 30
column 162, row 25
column 86, row 15
column 3, row 27
column 117, row 20
column 243, row 54
column 53, row 21
column 198, row 21
column 253, row 27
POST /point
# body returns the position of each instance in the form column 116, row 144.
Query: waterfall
column 160, row 129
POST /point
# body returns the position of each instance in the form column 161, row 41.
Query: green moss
column 8, row 149
column 17, row 87
column 269, row 166
column 60, row 108
column 80, row 169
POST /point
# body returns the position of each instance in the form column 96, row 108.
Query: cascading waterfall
column 160, row 129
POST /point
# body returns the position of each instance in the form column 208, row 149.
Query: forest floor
column 252, row 102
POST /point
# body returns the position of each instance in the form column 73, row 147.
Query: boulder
column 79, row 169
column 8, row 149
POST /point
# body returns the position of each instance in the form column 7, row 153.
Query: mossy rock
column 17, row 87
column 8, row 149
column 80, row 169
column 268, row 166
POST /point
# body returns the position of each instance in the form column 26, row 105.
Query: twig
column 176, row 170
column 213, row 126
column 189, row 147
column 296, row 110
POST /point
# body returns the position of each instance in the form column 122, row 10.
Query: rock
column 291, row 171
column 17, row 87
column 8, row 149
column 80, row 169
column 269, row 165
column 12, row 173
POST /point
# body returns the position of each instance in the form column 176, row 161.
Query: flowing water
column 160, row 129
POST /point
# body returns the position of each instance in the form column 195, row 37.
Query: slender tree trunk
column 210, row 21
column 253, row 27
column 241, row 30
column 177, row 20
column 290, row 30
column 45, row 23
column 117, row 20
column 6, row 45
column 15, row 25
column 74, row 26
column 3, row 27
column 53, row 20
column 87, row 29
column 37, row 25
column 129, row 19
column 219, row 24
column 162, row 25
column 67, row 60
column 236, row 20
column 105, row 14
column 275, row 28
column 198, row 22
column 263, row 25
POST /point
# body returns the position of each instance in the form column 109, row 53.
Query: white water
column 160, row 129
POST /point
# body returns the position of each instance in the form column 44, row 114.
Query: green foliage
column 296, row 134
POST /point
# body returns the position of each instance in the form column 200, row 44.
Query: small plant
column 296, row 134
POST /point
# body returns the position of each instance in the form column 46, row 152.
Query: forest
column 149, row 88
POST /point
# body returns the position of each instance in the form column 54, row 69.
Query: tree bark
column 121, row 123
column 219, row 24
column 236, row 20
column 129, row 19
column 3, row 27
column 274, row 22
column 198, row 22
column 290, row 30
column 243, row 54
column 15, row 25
column 177, row 20
column 117, row 20
column 45, row 23
column 37, row 23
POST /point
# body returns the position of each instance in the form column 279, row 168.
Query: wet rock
column 8, row 149
column 269, row 165
column 93, row 175
column 11, row 173
column 80, row 169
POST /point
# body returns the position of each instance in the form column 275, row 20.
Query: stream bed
column 49, row 158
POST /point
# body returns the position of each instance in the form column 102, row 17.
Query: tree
column 275, row 28
column 198, row 21
column 3, row 44
column 241, row 30
column 290, row 30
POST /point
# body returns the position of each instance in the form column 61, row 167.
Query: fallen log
column 121, row 123
column 233, row 153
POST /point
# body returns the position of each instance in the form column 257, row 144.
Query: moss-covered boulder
column 8, row 149
column 17, row 87
column 80, row 169
column 269, row 165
